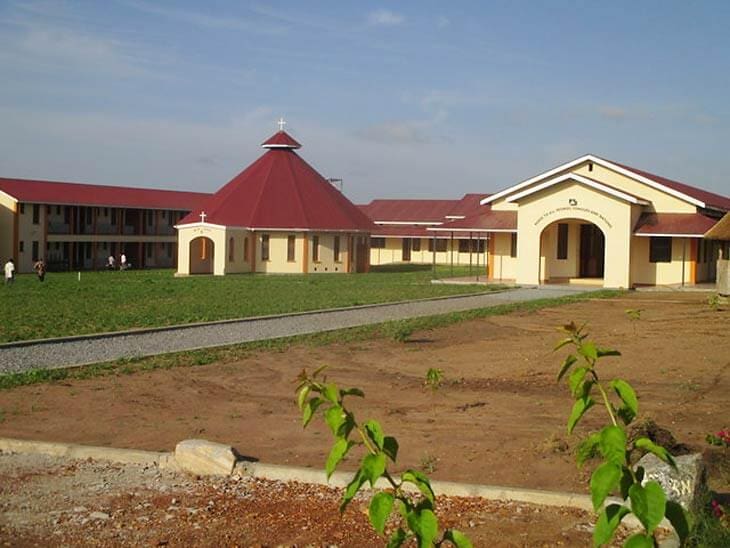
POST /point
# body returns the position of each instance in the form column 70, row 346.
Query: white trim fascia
column 279, row 146
column 320, row 230
column 13, row 198
column 472, row 229
column 601, row 162
column 455, row 216
column 416, row 223
column 198, row 224
column 670, row 235
column 580, row 179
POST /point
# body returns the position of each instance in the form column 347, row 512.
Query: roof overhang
column 578, row 179
column 472, row 229
column 646, row 234
column 198, row 225
column 412, row 223
column 604, row 163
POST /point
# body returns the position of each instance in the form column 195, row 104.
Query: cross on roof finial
column 281, row 123
column 202, row 216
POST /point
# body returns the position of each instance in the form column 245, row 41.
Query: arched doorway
column 572, row 250
column 202, row 253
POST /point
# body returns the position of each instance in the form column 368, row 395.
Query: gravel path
column 68, row 352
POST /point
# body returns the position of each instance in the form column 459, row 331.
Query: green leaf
column 330, row 393
column 587, row 448
column 372, row 467
column 562, row 343
column 351, row 490
column 625, row 414
column 421, row 481
column 335, row 418
column 613, row 444
column 678, row 518
column 607, row 352
column 352, row 392
column 390, row 447
column 607, row 523
column 458, row 539
column 570, row 359
column 380, row 508
column 425, row 525
column 589, row 351
column 648, row 503
column 603, row 481
column 375, row 433
column 397, row 538
column 575, row 381
column 627, row 395
column 639, row 472
column 309, row 410
column 627, row 480
column 658, row 450
column 337, row 453
column 639, row 540
column 302, row 396
column 579, row 408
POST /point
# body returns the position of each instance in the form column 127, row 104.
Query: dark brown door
column 592, row 251
column 406, row 249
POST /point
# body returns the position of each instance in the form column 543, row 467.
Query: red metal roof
column 414, row 211
column 674, row 224
column 467, row 205
column 281, row 191
column 61, row 193
column 484, row 220
column 709, row 198
column 281, row 139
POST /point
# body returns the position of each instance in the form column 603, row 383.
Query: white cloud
column 385, row 17
column 443, row 22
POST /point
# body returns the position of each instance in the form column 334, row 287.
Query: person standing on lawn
column 40, row 269
column 9, row 272
column 123, row 262
column 110, row 262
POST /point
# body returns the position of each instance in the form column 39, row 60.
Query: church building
column 279, row 215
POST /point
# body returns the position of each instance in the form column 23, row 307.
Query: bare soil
column 499, row 417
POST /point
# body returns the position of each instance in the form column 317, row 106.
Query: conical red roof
column 281, row 191
column 281, row 139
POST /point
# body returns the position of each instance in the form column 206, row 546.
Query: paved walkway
column 75, row 351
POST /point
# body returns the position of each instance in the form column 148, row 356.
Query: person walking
column 110, row 262
column 40, row 269
column 9, row 272
column 123, row 262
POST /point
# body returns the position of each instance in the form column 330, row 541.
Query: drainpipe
column 684, row 254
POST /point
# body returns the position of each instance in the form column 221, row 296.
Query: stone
column 99, row 515
column 205, row 458
column 685, row 485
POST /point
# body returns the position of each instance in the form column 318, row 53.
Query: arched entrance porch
column 572, row 251
column 202, row 253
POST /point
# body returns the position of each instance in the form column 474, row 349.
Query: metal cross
column 202, row 216
column 281, row 123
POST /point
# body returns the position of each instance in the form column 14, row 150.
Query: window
column 660, row 249
column 315, row 249
column 35, row 251
column 168, row 245
column 58, row 210
column 513, row 245
column 464, row 246
column 21, row 246
column 562, row 241
column 114, row 216
column 337, row 249
column 148, row 250
column 88, row 215
column 106, row 212
column 231, row 249
column 48, row 210
column 441, row 245
column 377, row 243
column 22, row 209
column 87, row 250
column 478, row 246
column 245, row 248
column 264, row 247
column 36, row 213
column 291, row 243
column 416, row 244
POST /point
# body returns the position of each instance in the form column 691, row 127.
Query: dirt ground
column 499, row 417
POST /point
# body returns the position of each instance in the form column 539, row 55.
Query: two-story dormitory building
column 77, row 226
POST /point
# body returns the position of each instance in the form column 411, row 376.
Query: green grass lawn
column 111, row 301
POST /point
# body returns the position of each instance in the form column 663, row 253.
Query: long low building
column 74, row 226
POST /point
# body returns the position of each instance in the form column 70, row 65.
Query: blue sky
column 426, row 99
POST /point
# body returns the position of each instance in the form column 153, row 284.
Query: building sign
column 570, row 208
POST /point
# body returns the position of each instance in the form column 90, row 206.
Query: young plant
column 647, row 502
column 434, row 378
column 315, row 394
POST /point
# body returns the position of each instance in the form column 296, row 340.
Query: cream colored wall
column 28, row 233
column 239, row 263
column 644, row 272
column 278, row 247
column 393, row 253
column 187, row 234
column 504, row 266
column 611, row 215
column 326, row 262
column 661, row 201
column 7, row 214
column 560, row 268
